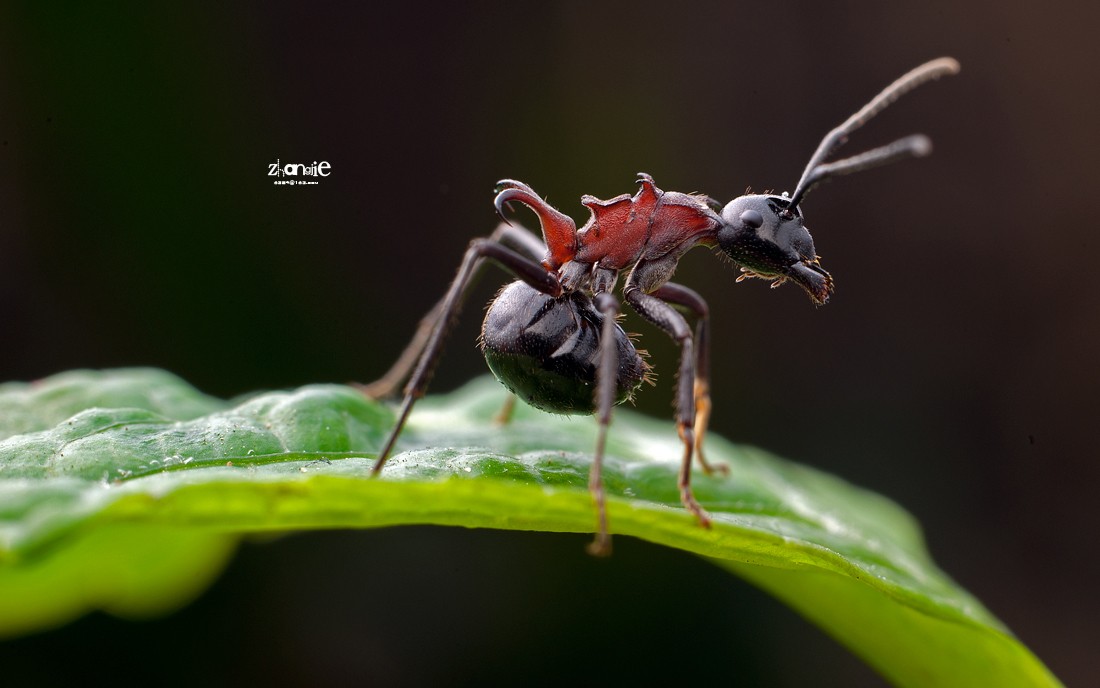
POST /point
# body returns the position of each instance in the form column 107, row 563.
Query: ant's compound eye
column 752, row 218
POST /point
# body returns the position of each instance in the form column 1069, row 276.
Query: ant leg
column 516, row 237
column 665, row 317
column 522, row 267
column 519, row 238
column 680, row 295
column 504, row 415
column 390, row 382
column 606, row 379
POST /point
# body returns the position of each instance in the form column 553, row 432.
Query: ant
column 552, row 337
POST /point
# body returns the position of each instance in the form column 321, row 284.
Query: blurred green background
column 955, row 371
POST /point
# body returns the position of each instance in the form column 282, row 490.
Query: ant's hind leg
column 519, row 238
column 504, row 415
column 522, row 267
column 680, row 295
column 514, row 236
column 389, row 383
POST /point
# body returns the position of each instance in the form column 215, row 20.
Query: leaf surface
column 127, row 491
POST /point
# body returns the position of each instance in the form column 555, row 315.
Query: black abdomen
column 546, row 350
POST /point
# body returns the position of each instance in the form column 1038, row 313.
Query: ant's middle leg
column 680, row 295
column 514, row 236
column 530, row 271
column 665, row 317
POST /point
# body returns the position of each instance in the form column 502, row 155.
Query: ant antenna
column 915, row 146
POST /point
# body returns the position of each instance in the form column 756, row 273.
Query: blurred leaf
column 127, row 491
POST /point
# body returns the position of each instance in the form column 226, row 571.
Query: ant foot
column 713, row 469
column 691, row 505
column 601, row 546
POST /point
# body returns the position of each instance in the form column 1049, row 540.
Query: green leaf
column 127, row 491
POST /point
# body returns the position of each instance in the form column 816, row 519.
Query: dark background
column 955, row 369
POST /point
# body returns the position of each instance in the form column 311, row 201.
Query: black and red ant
column 552, row 337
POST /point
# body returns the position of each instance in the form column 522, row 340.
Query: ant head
column 764, row 234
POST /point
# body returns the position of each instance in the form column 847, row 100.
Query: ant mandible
column 552, row 337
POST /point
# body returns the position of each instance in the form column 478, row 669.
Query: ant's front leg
column 665, row 317
column 606, row 388
column 680, row 295
column 530, row 271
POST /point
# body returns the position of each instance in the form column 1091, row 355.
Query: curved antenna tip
column 916, row 146
column 920, row 145
column 948, row 65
